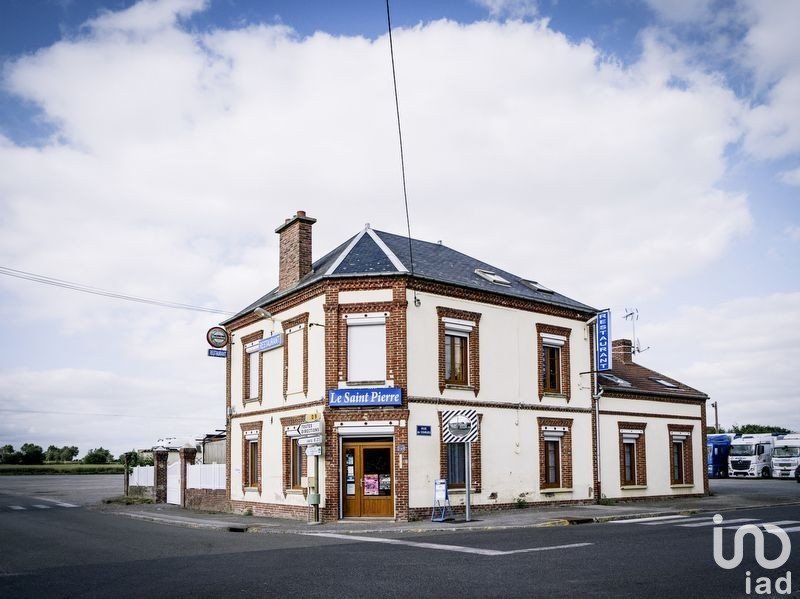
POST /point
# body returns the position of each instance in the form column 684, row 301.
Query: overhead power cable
column 45, row 280
column 147, row 416
column 400, row 137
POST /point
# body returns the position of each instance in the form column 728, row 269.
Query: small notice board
column 442, row 511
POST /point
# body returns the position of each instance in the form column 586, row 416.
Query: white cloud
column 742, row 353
column 146, row 16
column 176, row 155
column 791, row 177
column 682, row 11
column 515, row 9
column 772, row 54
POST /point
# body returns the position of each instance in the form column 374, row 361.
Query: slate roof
column 636, row 379
column 374, row 253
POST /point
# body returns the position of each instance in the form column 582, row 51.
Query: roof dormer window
column 492, row 277
column 664, row 382
column 611, row 378
column 537, row 286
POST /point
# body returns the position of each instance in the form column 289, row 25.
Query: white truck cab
column 786, row 457
column 751, row 456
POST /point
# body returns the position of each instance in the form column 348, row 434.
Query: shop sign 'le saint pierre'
column 365, row 397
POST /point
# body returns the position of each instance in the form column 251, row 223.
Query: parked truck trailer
column 786, row 456
column 750, row 456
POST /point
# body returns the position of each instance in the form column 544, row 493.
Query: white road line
column 652, row 518
column 16, row 507
column 56, row 501
column 778, row 523
column 41, row 507
column 457, row 548
column 793, row 529
column 675, row 521
column 712, row 523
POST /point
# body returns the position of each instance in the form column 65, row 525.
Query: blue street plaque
column 423, row 430
column 218, row 353
column 382, row 396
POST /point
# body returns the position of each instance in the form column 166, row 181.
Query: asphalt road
column 79, row 552
column 77, row 489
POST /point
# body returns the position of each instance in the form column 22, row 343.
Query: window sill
column 551, row 395
column 555, row 490
column 462, row 490
column 365, row 384
column 459, row 387
column 633, row 487
column 251, row 400
column 295, row 491
column 250, row 489
column 682, row 486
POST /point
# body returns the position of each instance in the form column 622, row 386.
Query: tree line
column 749, row 429
column 31, row 454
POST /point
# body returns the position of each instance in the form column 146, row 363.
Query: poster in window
column 385, row 482
column 370, row 484
column 351, row 489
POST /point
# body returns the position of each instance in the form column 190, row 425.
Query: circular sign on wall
column 217, row 337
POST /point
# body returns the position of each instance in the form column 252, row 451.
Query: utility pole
column 716, row 416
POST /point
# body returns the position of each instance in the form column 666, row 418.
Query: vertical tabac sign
column 603, row 348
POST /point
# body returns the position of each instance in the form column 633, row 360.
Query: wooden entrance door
column 367, row 470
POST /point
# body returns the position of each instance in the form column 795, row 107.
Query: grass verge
column 15, row 469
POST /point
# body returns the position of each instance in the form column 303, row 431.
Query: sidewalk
column 514, row 518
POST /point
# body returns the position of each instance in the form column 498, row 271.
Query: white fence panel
column 142, row 476
column 205, row 476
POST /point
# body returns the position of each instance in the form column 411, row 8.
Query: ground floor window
column 298, row 464
column 632, row 458
column 456, row 460
column 552, row 466
column 680, row 457
column 251, row 454
column 555, row 453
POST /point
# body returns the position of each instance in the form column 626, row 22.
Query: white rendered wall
column 508, row 353
column 657, row 448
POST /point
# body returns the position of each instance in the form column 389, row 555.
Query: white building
column 384, row 359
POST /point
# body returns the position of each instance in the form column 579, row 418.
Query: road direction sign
column 313, row 450
column 315, row 440
column 310, row 428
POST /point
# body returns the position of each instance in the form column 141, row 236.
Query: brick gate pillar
column 160, row 475
column 188, row 455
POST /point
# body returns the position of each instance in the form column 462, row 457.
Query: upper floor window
column 455, row 358
column 458, row 349
column 553, row 353
column 366, row 348
column 552, row 368
column 252, row 371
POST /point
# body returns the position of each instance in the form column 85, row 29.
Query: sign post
column 461, row 426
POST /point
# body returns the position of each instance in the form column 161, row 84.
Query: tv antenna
column 632, row 314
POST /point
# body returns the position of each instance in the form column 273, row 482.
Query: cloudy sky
column 631, row 154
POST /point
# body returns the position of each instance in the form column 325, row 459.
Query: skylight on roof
column 611, row 378
column 537, row 286
column 492, row 277
column 665, row 383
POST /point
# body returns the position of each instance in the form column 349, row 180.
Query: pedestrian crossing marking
column 56, row 501
column 649, row 519
column 778, row 523
column 681, row 520
column 16, row 507
column 41, row 507
column 703, row 521
column 712, row 523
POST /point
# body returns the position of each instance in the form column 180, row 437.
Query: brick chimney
column 622, row 349
column 295, row 249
